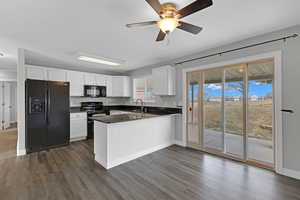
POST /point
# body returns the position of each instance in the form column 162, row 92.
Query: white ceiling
column 59, row 29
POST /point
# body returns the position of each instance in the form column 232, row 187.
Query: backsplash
column 160, row 101
column 75, row 101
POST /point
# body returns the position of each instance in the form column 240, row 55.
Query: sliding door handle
column 287, row 111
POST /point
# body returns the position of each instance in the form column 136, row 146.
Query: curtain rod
column 240, row 48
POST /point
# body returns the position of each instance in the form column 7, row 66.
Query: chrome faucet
column 142, row 104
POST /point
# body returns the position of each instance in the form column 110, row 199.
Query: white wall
column 290, row 86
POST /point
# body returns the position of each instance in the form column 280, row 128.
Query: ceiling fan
column 170, row 17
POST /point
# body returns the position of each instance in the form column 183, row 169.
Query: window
column 142, row 89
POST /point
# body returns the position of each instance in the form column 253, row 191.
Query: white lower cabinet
column 78, row 126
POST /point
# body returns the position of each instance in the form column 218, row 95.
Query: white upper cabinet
column 118, row 86
column 100, row 80
column 89, row 79
column 47, row 74
column 108, row 81
column 76, row 80
column 164, row 81
column 94, row 79
column 57, row 75
column 36, row 73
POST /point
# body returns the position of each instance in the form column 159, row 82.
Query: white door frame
column 277, row 55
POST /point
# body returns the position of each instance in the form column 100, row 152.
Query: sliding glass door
column 234, row 111
column 213, row 138
column 259, row 112
column 194, row 80
column 231, row 111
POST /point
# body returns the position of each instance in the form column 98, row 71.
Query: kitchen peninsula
column 121, row 138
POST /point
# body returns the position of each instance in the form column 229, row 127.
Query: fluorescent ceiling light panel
column 99, row 60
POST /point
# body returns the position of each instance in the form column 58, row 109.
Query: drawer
column 82, row 115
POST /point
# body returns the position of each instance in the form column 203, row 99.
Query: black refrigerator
column 47, row 115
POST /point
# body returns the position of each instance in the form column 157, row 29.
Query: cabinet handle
column 287, row 111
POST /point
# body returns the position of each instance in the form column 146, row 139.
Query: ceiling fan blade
column 190, row 28
column 141, row 24
column 194, row 7
column 155, row 4
column 161, row 36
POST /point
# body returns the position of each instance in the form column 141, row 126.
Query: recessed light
column 98, row 60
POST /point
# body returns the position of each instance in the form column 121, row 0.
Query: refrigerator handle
column 29, row 105
column 46, row 106
column 48, row 103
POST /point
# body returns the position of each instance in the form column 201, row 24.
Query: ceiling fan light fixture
column 168, row 25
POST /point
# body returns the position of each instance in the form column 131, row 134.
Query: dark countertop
column 147, row 109
column 132, row 108
column 125, row 117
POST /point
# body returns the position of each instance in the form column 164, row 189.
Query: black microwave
column 94, row 91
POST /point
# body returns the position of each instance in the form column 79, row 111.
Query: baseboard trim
column 136, row 155
column 179, row 143
column 21, row 152
column 101, row 162
column 290, row 173
column 77, row 139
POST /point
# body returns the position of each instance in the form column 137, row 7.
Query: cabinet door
column 57, row 75
column 117, row 86
column 160, row 80
column 100, row 80
column 108, row 81
column 36, row 73
column 89, row 79
column 164, row 81
column 76, row 80
column 127, row 87
column 6, row 105
column 78, row 128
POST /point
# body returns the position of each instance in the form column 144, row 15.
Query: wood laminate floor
column 172, row 173
column 8, row 142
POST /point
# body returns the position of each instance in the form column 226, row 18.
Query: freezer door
column 36, row 118
column 58, row 108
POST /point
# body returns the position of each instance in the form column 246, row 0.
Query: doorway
column 230, row 111
column 8, row 119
